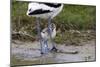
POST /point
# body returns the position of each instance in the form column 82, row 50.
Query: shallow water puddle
column 30, row 53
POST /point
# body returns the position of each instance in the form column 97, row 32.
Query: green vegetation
column 72, row 17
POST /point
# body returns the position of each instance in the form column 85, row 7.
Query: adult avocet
column 44, row 11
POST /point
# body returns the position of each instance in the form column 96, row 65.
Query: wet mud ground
column 28, row 53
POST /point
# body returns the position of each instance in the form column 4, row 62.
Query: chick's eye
column 43, row 32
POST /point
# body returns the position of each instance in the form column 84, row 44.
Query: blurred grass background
column 75, row 23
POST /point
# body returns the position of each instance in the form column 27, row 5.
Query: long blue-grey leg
column 45, row 46
column 46, row 42
column 39, row 33
column 49, row 30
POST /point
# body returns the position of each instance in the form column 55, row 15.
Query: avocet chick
column 45, row 34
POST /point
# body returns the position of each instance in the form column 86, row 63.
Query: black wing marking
column 39, row 11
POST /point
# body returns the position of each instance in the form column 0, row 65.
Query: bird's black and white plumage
column 44, row 10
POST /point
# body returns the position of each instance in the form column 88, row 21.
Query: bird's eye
column 43, row 32
column 29, row 9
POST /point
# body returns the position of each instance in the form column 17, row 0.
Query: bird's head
column 32, row 7
column 53, row 26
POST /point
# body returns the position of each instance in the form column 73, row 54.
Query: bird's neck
column 54, row 30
